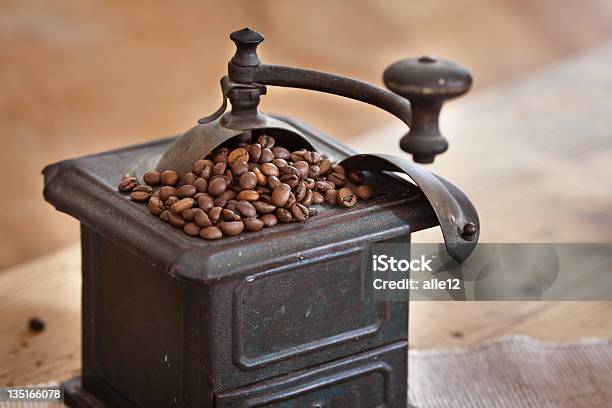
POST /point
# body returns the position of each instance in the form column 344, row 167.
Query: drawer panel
column 283, row 315
column 377, row 378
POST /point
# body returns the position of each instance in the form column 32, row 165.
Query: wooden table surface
column 535, row 157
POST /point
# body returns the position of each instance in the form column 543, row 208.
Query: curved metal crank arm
column 279, row 75
column 457, row 216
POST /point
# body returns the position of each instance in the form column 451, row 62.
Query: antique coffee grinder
column 266, row 318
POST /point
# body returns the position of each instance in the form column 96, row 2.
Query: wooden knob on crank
column 426, row 82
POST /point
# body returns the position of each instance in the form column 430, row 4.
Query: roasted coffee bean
column 269, row 169
column 127, row 184
column 164, row 216
column 187, row 190
column 317, row 198
column 152, row 178
column 166, row 192
column 290, row 201
column 255, row 152
column 300, row 191
column 176, row 220
column 281, row 153
column 312, row 211
column 219, row 168
column 253, row 224
column 201, row 185
column 208, row 169
column 307, row 200
column 266, row 141
column 198, row 167
column 168, row 178
column 356, row 176
column 182, row 205
column 283, row 215
column 330, row 196
column 261, row 178
column 248, row 195
column 248, row 181
column 239, row 168
column 211, row 233
column 205, row 203
column 280, row 195
column 266, row 155
column 188, row 214
column 314, row 171
column 229, row 215
column 265, row 198
column 188, row 178
column 238, row 154
column 364, row 192
column 279, row 163
column 214, row 214
column 141, row 193
column 290, row 179
column 231, row 205
column 229, row 178
column 228, row 195
column 36, row 325
column 264, row 208
column 312, row 157
column 325, row 167
column 200, row 218
column 170, row 202
column 323, row 186
column 221, row 156
column 156, row 206
column 231, row 228
column 217, row 186
column 263, row 190
column 220, row 202
column 302, row 167
column 299, row 212
column 197, row 196
column 269, row 220
column 310, row 183
column 346, row 198
column 289, row 169
column 246, row 209
column 273, row 182
column 339, row 169
column 192, row 229
column 338, row 179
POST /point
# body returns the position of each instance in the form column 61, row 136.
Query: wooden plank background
column 79, row 77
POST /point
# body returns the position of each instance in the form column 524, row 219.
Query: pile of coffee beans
column 248, row 187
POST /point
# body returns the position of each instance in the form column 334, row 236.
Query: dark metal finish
column 456, row 214
column 427, row 83
column 173, row 320
column 423, row 83
column 267, row 318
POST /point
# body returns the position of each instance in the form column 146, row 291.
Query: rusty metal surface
column 456, row 214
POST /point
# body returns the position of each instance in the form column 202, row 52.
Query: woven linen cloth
column 513, row 371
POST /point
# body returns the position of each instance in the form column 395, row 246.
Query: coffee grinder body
column 268, row 318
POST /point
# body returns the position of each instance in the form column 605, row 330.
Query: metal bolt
column 470, row 229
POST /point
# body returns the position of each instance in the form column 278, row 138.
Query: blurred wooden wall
column 78, row 77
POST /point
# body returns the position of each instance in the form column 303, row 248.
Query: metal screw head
column 470, row 229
